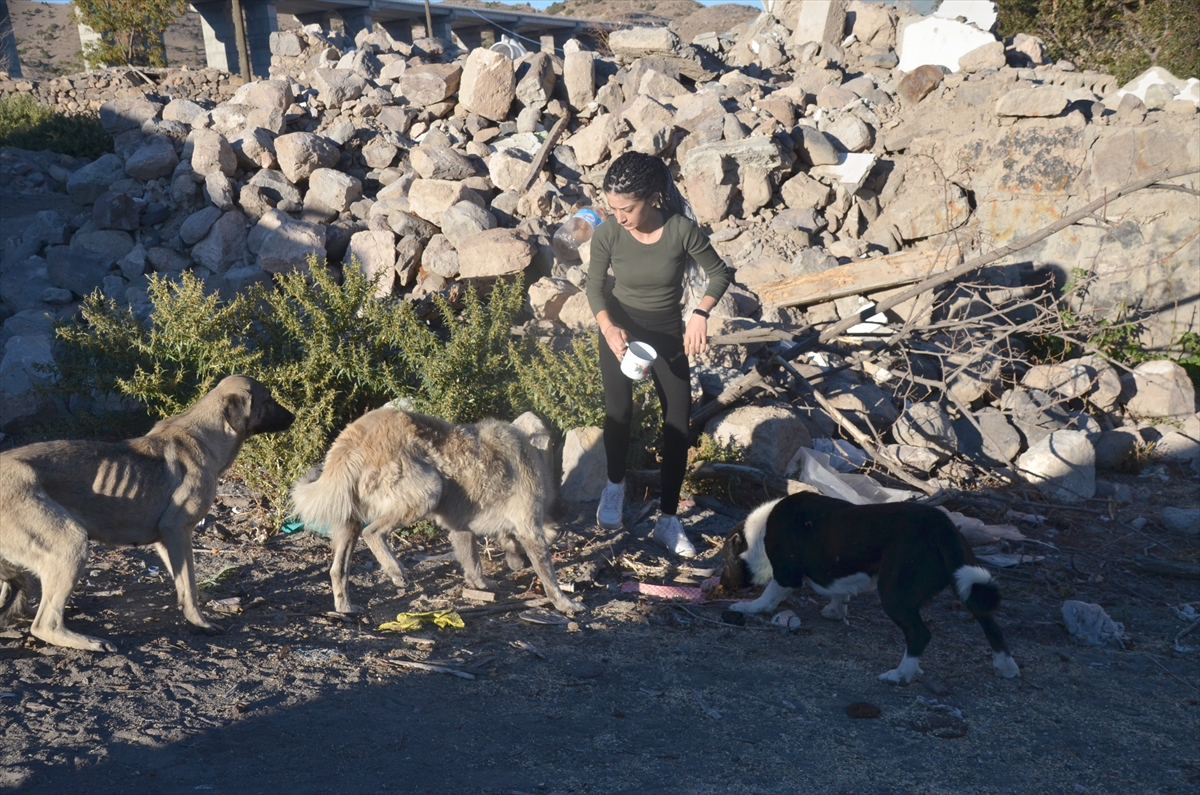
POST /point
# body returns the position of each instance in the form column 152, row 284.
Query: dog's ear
column 236, row 411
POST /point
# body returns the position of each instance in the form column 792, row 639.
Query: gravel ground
column 638, row 695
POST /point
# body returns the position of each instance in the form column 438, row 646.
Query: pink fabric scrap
column 689, row 594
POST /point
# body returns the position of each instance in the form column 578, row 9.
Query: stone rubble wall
column 798, row 155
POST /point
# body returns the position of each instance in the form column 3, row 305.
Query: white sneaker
column 668, row 531
column 612, row 506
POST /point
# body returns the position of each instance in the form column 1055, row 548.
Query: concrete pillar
column 261, row 22
column 220, row 43
column 88, row 38
column 441, row 28
column 399, row 30
column 354, row 20
column 471, row 38
column 547, row 40
column 10, row 59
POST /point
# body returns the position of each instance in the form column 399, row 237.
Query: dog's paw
column 898, row 677
column 834, row 612
column 347, row 609
column 1005, row 665
column 209, row 629
column 743, row 607
column 572, row 608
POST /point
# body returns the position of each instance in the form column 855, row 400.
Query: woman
column 648, row 248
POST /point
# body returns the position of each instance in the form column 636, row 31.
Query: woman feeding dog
column 648, row 249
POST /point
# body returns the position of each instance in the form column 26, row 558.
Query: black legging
column 672, row 381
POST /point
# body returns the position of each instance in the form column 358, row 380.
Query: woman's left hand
column 695, row 336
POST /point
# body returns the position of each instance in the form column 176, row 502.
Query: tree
column 1122, row 37
column 130, row 30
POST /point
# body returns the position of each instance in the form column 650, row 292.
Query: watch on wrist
column 701, row 313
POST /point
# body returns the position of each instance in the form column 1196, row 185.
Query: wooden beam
column 857, row 278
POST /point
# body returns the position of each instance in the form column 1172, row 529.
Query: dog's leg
column 772, row 595
column 467, row 553
column 916, row 638
column 1002, row 660
column 512, row 553
column 836, row 609
column 176, row 552
column 533, row 542
column 376, row 536
column 59, row 569
column 342, row 539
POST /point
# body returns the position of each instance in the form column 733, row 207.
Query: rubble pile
column 835, row 155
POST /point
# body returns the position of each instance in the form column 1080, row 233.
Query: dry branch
column 540, row 160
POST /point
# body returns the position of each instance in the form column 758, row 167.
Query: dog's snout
column 274, row 419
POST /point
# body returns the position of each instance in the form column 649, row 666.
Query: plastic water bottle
column 574, row 232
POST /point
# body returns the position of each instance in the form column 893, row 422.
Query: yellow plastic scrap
column 409, row 621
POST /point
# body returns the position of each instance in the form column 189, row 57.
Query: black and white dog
column 909, row 552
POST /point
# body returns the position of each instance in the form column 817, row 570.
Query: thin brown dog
column 56, row 496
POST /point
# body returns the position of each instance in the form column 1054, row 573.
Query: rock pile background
column 849, row 134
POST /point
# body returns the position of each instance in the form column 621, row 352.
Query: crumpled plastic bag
column 1091, row 626
column 409, row 621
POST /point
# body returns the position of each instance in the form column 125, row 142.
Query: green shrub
column 27, row 124
column 329, row 353
column 131, row 31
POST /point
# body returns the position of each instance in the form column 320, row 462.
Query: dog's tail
column 327, row 499
column 14, row 593
column 975, row 586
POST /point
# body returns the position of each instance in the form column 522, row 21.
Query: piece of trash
column 231, row 605
column 786, row 619
column 691, row 594
column 863, row 709
column 8, row 695
column 652, row 693
column 291, row 527
column 525, row 645
column 319, row 656
column 410, row 621
column 734, row 617
column 541, row 616
column 1032, row 518
column 936, row 706
column 1003, row 560
column 1091, row 626
column 152, row 571
column 1185, row 612
column 709, row 711
column 478, row 596
column 437, row 669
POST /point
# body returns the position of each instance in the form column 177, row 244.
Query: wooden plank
column 544, row 153
column 858, row 277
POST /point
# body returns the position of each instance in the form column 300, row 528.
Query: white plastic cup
column 638, row 358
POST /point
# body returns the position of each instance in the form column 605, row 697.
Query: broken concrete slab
column 940, row 42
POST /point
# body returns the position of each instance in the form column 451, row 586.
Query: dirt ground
column 638, row 695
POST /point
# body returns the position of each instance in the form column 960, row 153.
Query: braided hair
column 641, row 176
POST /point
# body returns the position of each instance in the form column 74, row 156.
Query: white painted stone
column 940, row 42
column 980, row 13
column 1062, row 466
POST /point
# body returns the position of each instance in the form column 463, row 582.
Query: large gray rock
column 88, row 183
column 219, row 189
column 584, row 465
column 23, row 282
column 548, row 295
column 265, row 94
column 196, row 225
column 1062, row 466
column 769, row 435
column 335, row 87
column 494, row 252
column 181, row 110
column 464, row 220
column 488, row 84
column 995, row 438
column 380, row 153
column 440, row 162
column 1117, row 450
column 536, row 81
column 429, row 198
column 116, row 210
column 375, row 254
column 286, row 245
column 820, row 21
column 20, row 375
column 926, row 425
column 1037, row 414
column 332, row 190
column 439, row 257
column 76, row 269
column 154, row 159
column 110, row 244
column 1159, row 388
column 211, row 152
column 1185, row 521
column 579, row 78
column 300, row 154
column 224, row 245
column 127, row 113
column 254, row 148
column 592, row 142
column 1037, row 101
column 429, row 84
column 508, row 168
column 851, row 133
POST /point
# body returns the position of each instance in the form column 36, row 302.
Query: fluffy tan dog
column 55, row 496
column 392, row 468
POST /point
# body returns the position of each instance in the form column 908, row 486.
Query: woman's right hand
column 614, row 335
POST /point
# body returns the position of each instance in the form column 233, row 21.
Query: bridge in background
column 465, row 26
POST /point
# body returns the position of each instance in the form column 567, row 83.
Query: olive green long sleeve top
column 649, row 276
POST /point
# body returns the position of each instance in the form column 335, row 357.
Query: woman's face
column 632, row 212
